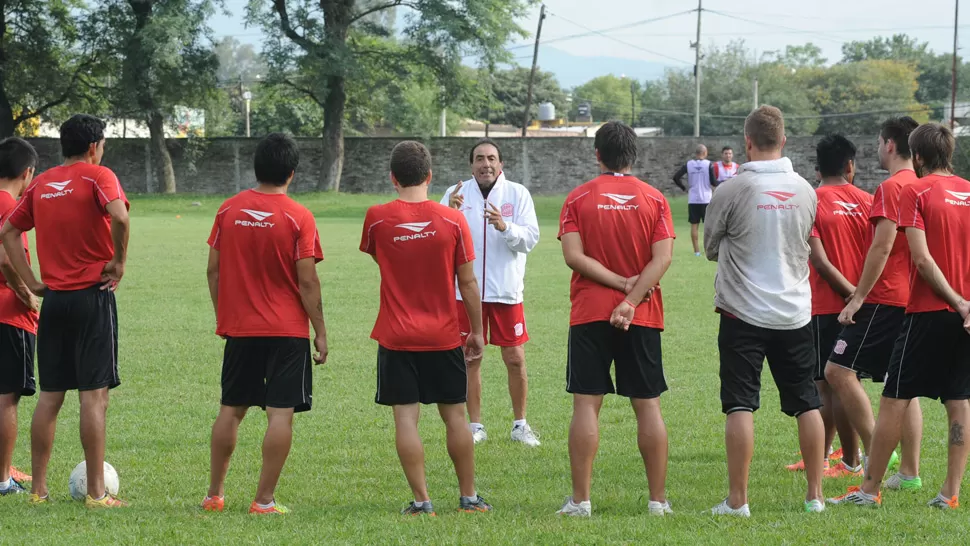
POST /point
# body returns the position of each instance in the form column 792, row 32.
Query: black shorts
column 866, row 346
column 16, row 361
column 636, row 353
column 825, row 329
column 931, row 359
column 272, row 372
column 696, row 213
column 77, row 336
column 426, row 377
column 791, row 357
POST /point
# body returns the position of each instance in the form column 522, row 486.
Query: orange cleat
column 836, row 455
column 213, row 504
column 842, row 471
column 277, row 508
column 800, row 466
column 19, row 476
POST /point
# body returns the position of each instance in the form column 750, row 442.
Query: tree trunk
column 333, row 134
column 6, row 112
column 156, row 129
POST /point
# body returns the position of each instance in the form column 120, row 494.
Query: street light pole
column 247, row 96
column 697, row 73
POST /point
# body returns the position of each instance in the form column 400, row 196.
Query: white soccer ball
column 79, row 480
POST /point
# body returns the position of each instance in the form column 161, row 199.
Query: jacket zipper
column 484, row 248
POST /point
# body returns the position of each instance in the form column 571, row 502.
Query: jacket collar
column 782, row 165
column 499, row 181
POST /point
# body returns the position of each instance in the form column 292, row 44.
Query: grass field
column 343, row 482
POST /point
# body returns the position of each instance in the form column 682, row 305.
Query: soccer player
column 420, row 246
column 263, row 281
column 80, row 214
column 838, row 244
column 18, row 315
column 931, row 357
column 874, row 316
column 617, row 236
column 759, row 228
column 726, row 168
column 700, row 180
column 503, row 224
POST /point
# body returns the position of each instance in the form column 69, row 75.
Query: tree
column 161, row 50
column 315, row 46
column 509, row 90
column 44, row 62
column 609, row 97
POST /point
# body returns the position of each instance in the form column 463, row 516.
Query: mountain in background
column 573, row 70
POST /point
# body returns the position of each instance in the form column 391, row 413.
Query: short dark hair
column 766, row 128
column 276, row 158
column 482, row 142
column 898, row 129
column 934, row 144
column 78, row 134
column 726, row 148
column 617, row 144
column 410, row 163
column 833, row 154
column 16, row 156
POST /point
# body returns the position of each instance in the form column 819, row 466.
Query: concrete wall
column 545, row 165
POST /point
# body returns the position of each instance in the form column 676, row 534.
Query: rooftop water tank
column 547, row 112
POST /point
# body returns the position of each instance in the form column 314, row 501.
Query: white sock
column 271, row 504
column 518, row 423
column 421, row 504
column 476, row 426
column 6, row 485
column 473, row 498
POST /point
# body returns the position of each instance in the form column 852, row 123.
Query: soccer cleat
column 277, row 508
column 525, row 434
column 800, row 466
column 724, row 509
column 835, row 455
column 478, row 505
column 577, row 510
column 414, row 510
column 21, row 477
column 842, row 470
column 697, row 254
column 15, row 488
column 213, row 504
column 814, row 506
column 107, row 501
column 479, row 435
column 659, row 508
column 856, row 495
column 36, row 500
column 898, row 482
column 944, row 503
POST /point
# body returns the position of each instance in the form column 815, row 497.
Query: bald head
column 701, row 151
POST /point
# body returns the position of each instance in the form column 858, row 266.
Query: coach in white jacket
column 503, row 223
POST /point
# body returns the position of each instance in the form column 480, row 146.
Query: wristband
column 630, row 303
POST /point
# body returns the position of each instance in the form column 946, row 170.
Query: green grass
column 343, row 482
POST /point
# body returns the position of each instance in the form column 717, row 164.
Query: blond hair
column 766, row 128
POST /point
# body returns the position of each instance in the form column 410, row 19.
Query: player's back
column 260, row 237
column 842, row 224
column 418, row 247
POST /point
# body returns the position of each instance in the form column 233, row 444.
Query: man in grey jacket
column 758, row 229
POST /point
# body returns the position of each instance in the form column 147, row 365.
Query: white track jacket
column 500, row 256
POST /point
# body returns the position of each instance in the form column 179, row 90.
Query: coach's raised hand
column 456, row 200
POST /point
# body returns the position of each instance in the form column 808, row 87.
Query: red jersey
column 842, row 224
column 618, row 218
column 12, row 311
column 892, row 288
column 260, row 237
column 938, row 205
column 418, row 248
column 66, row 206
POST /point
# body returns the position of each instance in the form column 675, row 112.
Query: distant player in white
column 503, row 221
column 700, row 187
column 726, row 168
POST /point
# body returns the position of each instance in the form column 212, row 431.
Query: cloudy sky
column 764, row 25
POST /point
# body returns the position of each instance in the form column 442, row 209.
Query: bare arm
column 663, row 252
column 212, row 274
column 16, row 254
column 828, row 272
column 470, row 296
column 929, row 271
column 119, row 229
column 578, row 261
column 15, row 282
column 306, row 274
column 679, row 175
column 882, row 247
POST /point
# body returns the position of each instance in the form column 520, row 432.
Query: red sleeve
column 910, row 212
column 717, row 169
column 109, row 189
column 308, row 240
column 815, row 232
column 367, row 243
column 567, row 218
column 216, row 233
column 884, row 203
column 465, row 249
column 22, row 216
column 664, row 227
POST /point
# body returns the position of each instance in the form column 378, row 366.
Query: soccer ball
column 79, row 480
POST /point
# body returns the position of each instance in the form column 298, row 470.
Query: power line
column 787, row 32
column 628, row 44
column 592, row 32
column 772, row 25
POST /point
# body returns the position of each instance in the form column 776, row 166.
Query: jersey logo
column 519, row 329
column 257, row 215
column 846, row 206
column 961, row 198
column 507, row 210
column 849, row 209
column 620, row 200
column 780, row 195
column 418, row 228
column 60, row 190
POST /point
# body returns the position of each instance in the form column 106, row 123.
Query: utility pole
column 443, row 122
column 756, row 92
column 953, row 93
column 535, row 59
column 633, row 103
column 697, row 73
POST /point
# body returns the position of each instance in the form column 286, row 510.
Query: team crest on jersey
column 507, row 210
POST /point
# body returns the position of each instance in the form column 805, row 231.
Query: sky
column 764, row 25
